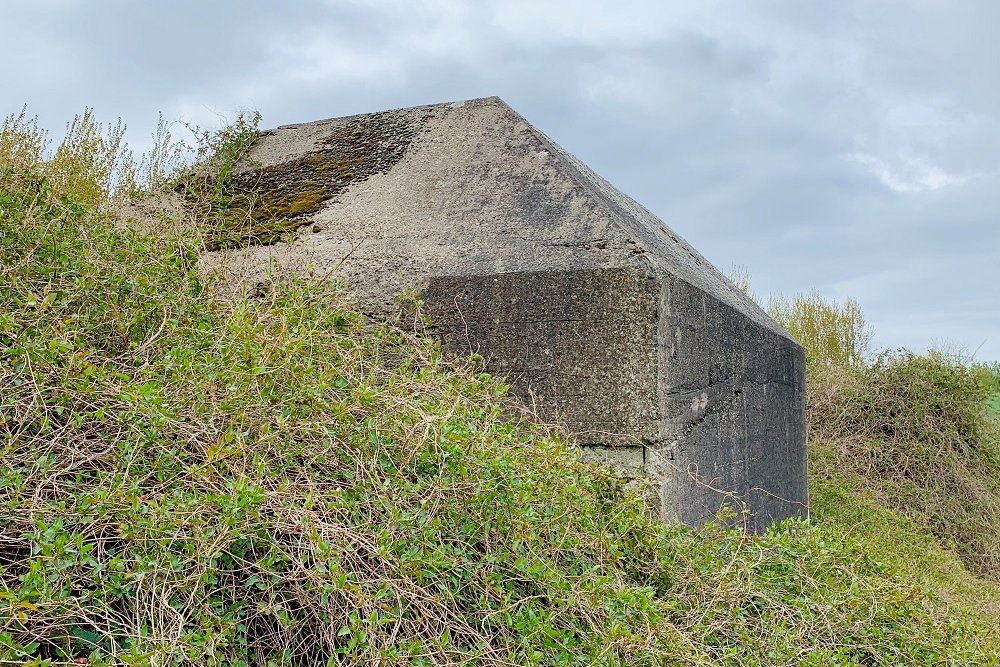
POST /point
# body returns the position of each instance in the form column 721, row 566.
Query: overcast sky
column 849, row 146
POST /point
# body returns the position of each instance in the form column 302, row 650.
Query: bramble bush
column 917, row 428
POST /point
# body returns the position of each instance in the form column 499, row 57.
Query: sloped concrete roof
column 472, row 187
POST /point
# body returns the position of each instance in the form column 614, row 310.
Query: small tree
column 833, row 333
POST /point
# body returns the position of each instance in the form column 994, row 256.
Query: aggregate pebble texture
column 598, row 314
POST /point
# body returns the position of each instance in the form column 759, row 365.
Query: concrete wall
column 578, row 345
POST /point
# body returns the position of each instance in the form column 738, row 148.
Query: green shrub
column 91, row 164
column 833, row 334
column 22, row 144
column 915, row 426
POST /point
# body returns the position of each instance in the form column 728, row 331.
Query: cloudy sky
column 850, row 146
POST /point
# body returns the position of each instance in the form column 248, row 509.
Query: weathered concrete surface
column 601, row 316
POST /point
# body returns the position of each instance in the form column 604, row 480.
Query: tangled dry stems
column 917, row 429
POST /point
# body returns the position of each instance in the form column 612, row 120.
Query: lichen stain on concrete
column 699, row 402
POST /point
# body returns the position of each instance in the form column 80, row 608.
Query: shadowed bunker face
column 580, row 345
column 651, row 377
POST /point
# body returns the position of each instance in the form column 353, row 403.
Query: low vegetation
column 273, row 480
column 919, row 429
column 904, row 446
column 916, row 428
column 991, row 376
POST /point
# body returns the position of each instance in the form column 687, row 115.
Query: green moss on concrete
column 262, row 206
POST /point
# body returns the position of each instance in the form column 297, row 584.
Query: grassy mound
column 274, row 480
column 920, row 433
column 917, row 429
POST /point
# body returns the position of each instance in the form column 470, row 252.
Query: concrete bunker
column 597, row 313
